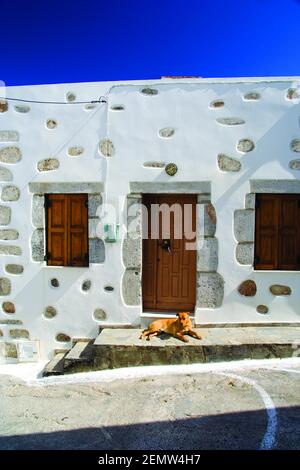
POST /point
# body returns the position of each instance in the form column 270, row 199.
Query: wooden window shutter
column 266, row 231
column 67, row 229
column 57, row 229
column 289, row 249
column 78, row 230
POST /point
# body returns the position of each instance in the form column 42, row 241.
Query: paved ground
column 224, row 407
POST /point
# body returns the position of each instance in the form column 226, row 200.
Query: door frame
column 210, row 284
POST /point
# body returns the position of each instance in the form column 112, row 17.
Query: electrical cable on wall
column 100, row 100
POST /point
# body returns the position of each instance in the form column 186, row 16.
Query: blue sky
column 63, row 41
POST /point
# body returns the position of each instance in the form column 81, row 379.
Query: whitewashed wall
column 271, row 122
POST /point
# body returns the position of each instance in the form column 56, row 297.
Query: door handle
column 166, row 245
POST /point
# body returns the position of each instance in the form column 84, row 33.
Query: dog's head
column 184, row 320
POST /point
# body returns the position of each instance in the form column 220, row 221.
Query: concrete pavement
column 219, row 406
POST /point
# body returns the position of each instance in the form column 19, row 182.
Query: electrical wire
column 100, row 100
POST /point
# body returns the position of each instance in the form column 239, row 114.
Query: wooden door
column 169, row 266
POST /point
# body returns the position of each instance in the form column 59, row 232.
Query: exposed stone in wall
column 226, row 163
column 5, row 215
column 292, row 94
column 54, row 282
column 117, row 107
column 132, row 287
column 252, row 96
column 14, row 268
column 37, row 245
column 206, row 219
column 174, row 187
column 275, row 186
column 217, row 104
column 250, row 201
column 19, row 334
column 207, row 256
column 10, row 250
column 294, row 164
column 153, row 164
column 95, row 202
column 48, row 164
column 107, row 148
column 5, row 174
column 9, row 307
column 245, row 145
column 132, row 252
column 51, row 123
column 50, row 312
column 9, row 136
column 167, row 132
column 10, row 322
column 66, row 187
column 62, row 338
column 75, row 151
column 10, row 155
column 244, row 253
column 38, row 211
column 96, row 250
column 70, row 96
column 295, row 145
column 22, row 108
column 244, row 221
column 149, row 91
column 248, row 288
column 5, row 286
column 99, row 314
column 134, row 216
column 263, row 309
column 10, row 351
column 3, row 106
column 94, row 227
column 277, row 289
column 10, row 193
column 210, row 219
column 86, row 285
column 89, row 106
column 230, row 121
column 108, row 288
column 8, row 234
column 210, row 290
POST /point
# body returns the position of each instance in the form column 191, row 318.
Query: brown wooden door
column 169, row 275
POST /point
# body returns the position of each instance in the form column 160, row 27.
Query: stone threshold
column 247, row 325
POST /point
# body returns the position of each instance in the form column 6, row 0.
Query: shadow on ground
column 244, row 430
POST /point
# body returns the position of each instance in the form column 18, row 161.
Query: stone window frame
column 210, row 284
column 244, row 219
column 94, row 191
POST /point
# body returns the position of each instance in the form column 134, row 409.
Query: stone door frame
column 210, row 284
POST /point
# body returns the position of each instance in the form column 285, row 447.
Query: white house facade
column 228, row 147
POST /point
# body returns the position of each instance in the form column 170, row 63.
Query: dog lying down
column 177, row 327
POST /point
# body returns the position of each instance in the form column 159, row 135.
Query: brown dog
column 173, row 326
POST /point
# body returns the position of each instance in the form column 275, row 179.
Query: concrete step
column 77, row 351
column 123, row 348
column 56, row 365
column 80, row 357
